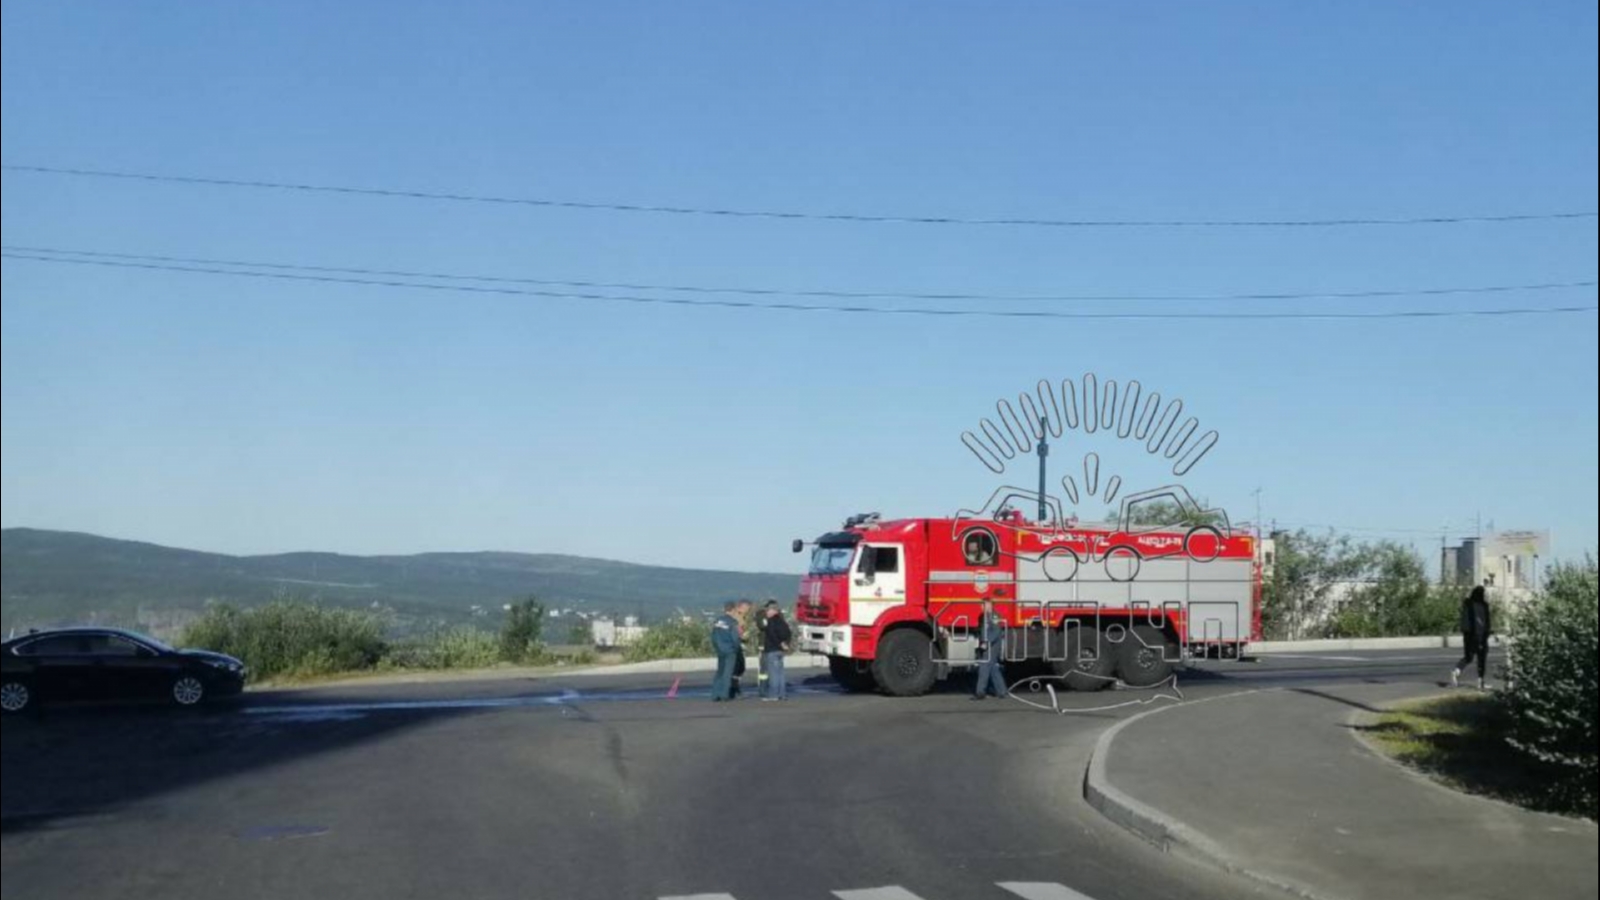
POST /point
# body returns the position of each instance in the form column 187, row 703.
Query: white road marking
column 883, row 893
column 703, row 897
column 1039, row 890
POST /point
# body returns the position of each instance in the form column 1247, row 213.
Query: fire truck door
column 880, row 574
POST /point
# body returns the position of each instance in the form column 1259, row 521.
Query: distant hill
column 59, row 577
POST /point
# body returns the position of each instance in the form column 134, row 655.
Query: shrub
column 519, row 637
column 671, row 640
column 291, row 638
column 449, row 648
column 1552, row 688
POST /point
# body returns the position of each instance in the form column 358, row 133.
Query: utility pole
column 1257, row 494
column 1044, row 451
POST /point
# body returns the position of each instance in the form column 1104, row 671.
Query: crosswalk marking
column 1039, row 890
column 883, row 893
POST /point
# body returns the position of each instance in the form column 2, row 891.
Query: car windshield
column 831, row 560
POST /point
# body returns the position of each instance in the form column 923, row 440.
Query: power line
column 725, row 212
column 1432, row 532
column 791, row 306
column 831, row 294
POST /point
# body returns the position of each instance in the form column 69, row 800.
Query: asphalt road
column 603, row 788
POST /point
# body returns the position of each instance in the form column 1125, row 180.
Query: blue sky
column 257, row 416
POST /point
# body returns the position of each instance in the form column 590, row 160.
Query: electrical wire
column 831, row 294
column 724, row 212
column 807, row 307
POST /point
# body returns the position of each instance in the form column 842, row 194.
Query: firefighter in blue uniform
column 991, row 649
column 725, row 641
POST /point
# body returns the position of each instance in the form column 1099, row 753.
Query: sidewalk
column 1276, row 785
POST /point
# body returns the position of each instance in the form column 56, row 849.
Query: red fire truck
column 894, row 604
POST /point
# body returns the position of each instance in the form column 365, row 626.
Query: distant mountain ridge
column 58, row 577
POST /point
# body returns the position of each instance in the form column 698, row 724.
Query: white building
column 607, row 633
column 1506, row 562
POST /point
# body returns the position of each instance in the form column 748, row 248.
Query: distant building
column 1505, row 562
column 607, row 633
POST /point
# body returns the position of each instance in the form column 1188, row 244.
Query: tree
column 1306, row 572
column 519, row 637
column 1393, row 597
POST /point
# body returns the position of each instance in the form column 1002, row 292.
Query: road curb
column 1266, row 648
column 1165, row 832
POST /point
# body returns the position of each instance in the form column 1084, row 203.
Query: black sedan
column 109, row 664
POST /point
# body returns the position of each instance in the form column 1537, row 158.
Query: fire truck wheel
column 1146, row 657
column 904, row 666
column 1087, row 662
column 850, row 674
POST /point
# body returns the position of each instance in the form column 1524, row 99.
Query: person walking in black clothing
column 775, row 638
column 1476, row 626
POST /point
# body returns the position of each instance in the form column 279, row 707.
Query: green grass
column 1461, row 740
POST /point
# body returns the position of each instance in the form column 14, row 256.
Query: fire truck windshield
column 831, row 560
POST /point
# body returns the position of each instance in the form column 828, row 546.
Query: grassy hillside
column 58, row 577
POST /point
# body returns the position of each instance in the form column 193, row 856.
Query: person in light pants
column 775, row 638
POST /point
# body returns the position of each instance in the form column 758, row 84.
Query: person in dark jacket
column 775, row 637
column 725, row 641
column 991, row 646
column 1476, row 626
column 742, row 627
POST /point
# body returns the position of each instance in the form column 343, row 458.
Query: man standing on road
column 758, row 645
column 725, row 641
column 775, row 637
column 1476, row 626
column 991, row 645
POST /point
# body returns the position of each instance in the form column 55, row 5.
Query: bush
column 519, row 637
column 291, row 638
column 449, row 648
column 1552, row 687
column 671, row 640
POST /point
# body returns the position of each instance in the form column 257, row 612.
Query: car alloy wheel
column 187, row 691
column 14, row 697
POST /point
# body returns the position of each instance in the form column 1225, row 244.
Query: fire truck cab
column 894, row 604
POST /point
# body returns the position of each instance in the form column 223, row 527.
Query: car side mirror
column 869, row 565
column 797, row 545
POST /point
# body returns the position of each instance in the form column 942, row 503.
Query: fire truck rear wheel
column 1087, row 662
column 850, row 674
column 1146, row 657
column 904, row 666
